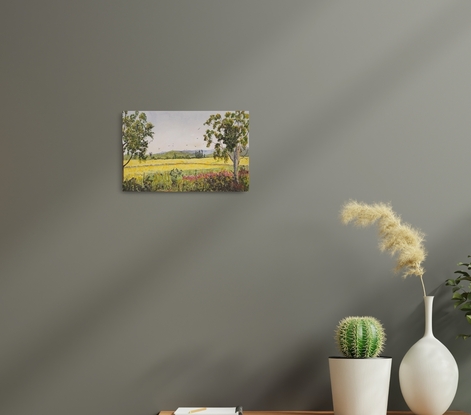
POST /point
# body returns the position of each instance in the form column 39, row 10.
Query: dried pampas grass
column 396, row 237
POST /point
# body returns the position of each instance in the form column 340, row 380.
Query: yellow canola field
column 137, row 168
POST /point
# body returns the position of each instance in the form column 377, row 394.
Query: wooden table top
column 321, row 413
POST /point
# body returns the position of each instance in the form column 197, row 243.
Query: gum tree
column 230, row 135
column 137, row 133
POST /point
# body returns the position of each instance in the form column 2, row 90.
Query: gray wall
column 133, row 303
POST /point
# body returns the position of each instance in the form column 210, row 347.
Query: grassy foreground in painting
column 185, row 175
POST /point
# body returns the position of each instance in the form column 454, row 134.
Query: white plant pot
column 428, row 374
column 360, row 386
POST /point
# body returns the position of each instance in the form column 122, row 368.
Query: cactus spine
column 360, row 337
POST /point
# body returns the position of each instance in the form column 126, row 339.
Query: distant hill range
column 184, row 154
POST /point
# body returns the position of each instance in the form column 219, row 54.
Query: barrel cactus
column 360, row 337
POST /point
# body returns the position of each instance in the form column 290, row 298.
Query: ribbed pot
column 360, row 386
column 428, row 374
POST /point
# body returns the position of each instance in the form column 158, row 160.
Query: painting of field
column 185, row 151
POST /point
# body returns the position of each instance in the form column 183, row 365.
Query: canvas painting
column 185, row 151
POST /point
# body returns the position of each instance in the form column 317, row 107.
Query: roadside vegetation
column 185, row 175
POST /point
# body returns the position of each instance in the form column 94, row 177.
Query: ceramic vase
column 428, row 374
column 360, row 386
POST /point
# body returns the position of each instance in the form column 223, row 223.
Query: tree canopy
column 137, row 133
column 230, row 135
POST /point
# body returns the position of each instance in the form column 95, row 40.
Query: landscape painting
column 185, row 151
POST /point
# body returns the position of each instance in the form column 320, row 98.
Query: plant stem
column 423, row 285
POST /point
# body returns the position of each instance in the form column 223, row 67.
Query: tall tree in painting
column 231, row 136
column 137, row 133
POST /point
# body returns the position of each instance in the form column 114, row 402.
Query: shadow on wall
column 295, row 379
column 300, row 384
column 375, row 84
column 447, row 321
column 298, row 377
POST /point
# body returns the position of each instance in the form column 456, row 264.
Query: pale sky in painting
column 178, row 130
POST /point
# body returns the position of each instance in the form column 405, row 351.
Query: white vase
column 428, row 374
column 360, row 386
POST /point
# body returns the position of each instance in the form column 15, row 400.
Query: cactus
column 360, row 337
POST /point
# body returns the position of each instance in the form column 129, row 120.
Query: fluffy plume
column 395, row 236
